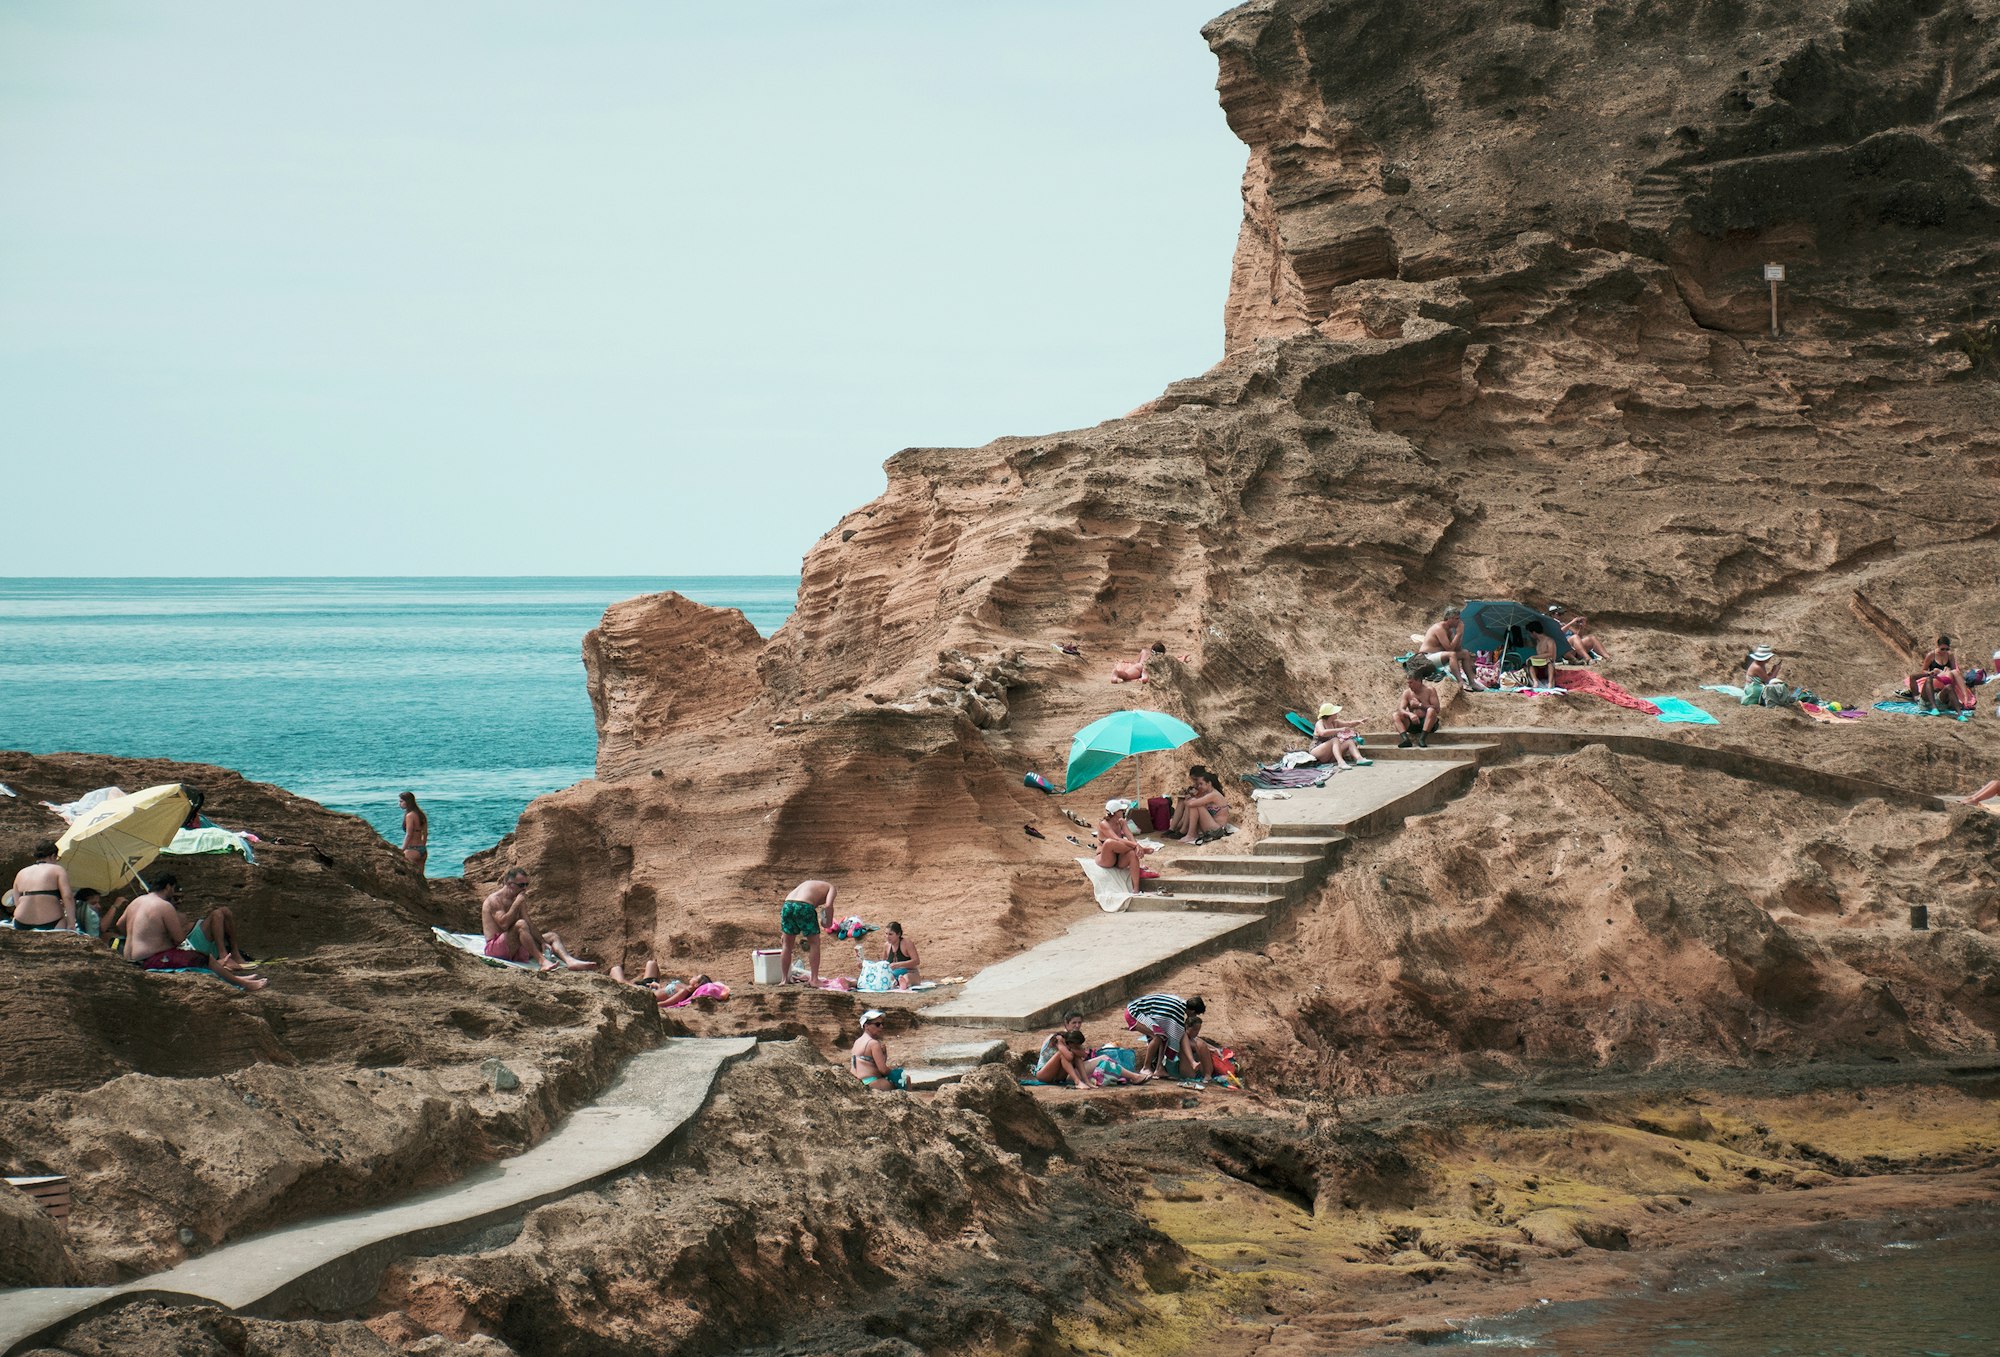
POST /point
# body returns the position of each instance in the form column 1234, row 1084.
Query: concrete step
column 962, row 1055
column 1287, row 845
column 1212, row 901
column 1439, row 752
column 1102, row 960
column 1290, row 886
column 1253, row 863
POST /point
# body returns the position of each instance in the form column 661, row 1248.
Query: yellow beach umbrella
column 109, row 845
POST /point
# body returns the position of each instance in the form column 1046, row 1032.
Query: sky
column 644, row 287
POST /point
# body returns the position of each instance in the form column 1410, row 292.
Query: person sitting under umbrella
column 1417, row 715
column 1118, row 847
column 43, row 898
column 159, row 938
column 1444, row 646
column 1334, row 738
column 1204, row 812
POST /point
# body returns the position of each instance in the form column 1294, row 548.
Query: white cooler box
column 764, row 966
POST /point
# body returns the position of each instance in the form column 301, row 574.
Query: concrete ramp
column 1100, row 961
column 336, row 1262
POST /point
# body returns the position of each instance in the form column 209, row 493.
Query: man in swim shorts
column 870, row 1058
column 1444, row 646
column 1163, row 1018
column 159, row 938
column 798, row 918
column 43, row 898
column 503, row 916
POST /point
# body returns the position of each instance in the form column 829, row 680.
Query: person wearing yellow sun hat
column 1334, row 738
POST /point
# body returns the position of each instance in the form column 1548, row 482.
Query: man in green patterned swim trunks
column 799, row 918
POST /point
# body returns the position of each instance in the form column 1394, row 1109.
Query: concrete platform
column 336, row 1262
column 1370, row 800
column 1101, row 960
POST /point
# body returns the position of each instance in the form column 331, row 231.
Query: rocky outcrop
column 1480, row 343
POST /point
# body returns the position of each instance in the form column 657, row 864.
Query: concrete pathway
column 1096, row 963
column 336, row 1262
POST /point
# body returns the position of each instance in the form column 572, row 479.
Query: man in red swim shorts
column 503, row 916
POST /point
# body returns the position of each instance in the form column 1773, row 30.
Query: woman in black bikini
column 901, row 954
column 43, row 898
column 416, row 831
column 1942, row 682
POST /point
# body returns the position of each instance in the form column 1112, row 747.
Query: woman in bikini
column 1333, row 738
column 901, row 954
column 1942, row 682
column 870, row 1058
column 43, row 898
column 1116, row 848
column 416, row 831
column 1207, row 811
column 1134, row 671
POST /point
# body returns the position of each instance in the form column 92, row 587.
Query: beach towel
column 1733, row 689
column 1832, row 718
column 208, row 839
column 1595, row 684
column 714, row 989
column 70, row 810
column 475, row 944
column 1917, row 709
column 1271, row 775
column 1111, row 886
column 1674, row 709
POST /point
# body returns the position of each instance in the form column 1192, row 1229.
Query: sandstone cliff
column 1496, row 329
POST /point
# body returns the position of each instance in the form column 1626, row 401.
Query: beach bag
column 876, row 978
column 1161, row 808
column 1039, row 783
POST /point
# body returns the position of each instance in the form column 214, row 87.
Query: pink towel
column 1596, row 685
column 712, row 990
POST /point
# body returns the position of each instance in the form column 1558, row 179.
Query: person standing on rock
column 416, row 831
column 503, row 916
column 869, row 1059
column 1444, row 646
column 43, row 898
column 798, row 918
column 1417, row 716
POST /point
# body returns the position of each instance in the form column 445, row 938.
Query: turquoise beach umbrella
column 1118, row 736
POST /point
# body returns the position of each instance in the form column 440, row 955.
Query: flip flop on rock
column 1034, row 833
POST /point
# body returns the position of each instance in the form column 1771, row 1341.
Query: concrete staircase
column 1212, row 899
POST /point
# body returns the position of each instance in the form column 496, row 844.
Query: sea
column 468, row 692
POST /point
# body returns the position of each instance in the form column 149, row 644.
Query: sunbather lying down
column 666, row 990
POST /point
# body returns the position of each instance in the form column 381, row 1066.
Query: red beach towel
column 1596, row 685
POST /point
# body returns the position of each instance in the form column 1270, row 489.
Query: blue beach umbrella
column 1118, row 736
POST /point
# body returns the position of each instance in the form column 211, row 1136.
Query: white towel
column 1111, row 886
column 475, row 943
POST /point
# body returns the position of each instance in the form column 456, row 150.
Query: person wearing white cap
column 870, row 1058
column 1118, row 847
column 1333, row 737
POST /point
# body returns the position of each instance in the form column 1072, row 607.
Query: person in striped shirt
column 1164, row 1020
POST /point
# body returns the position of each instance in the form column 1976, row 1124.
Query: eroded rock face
column 185, row 1113
column 1494, row 331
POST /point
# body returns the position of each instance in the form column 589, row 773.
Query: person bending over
column 1334, row 738
column 870, row 1058
column 1163, row 1019
column 43, row 898
column 159, row 938
column 511, row 936
column 799, row 925
column 1417, row 714
column 1444, row 646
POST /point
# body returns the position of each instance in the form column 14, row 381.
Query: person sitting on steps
column 1417, row 715
column 1118, row 848
column 1334, row 739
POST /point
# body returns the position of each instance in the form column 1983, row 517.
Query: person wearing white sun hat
column 869, row 1059
column 1333, row 738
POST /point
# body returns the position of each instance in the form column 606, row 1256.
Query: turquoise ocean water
column 468, row 692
